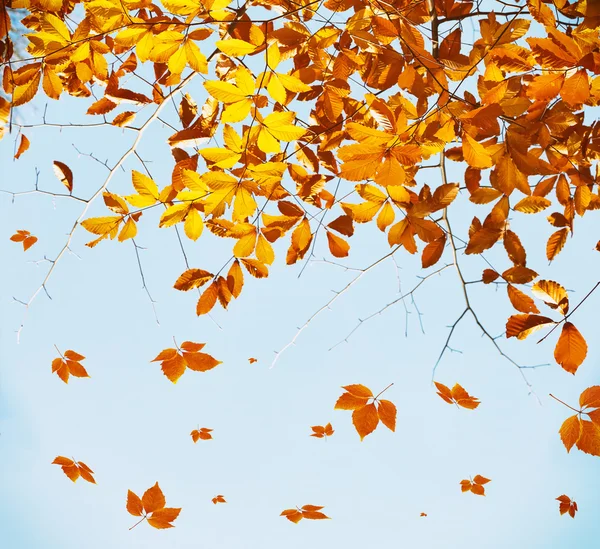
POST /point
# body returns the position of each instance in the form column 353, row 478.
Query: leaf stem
column 138, row 522
column 381, row 392
column 565, row 404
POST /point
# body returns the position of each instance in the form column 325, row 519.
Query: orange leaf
column 64, row 174
column 365, row 420
column 153, row 499
column 134, row 504
column 570, row 431
column 23, row 145
column 520, row 326
column 387, row 414
column 571, row 348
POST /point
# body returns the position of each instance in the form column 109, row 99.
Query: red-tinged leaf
column 570, row 431
column 342, row 224
column 433, row 252
column 153, row 499
column 478, row 479
column 365, row 420
column 521, row 326
column 489, row 276
column 387, row 414
column 571, row 348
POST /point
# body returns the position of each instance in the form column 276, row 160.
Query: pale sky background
column 131, row 425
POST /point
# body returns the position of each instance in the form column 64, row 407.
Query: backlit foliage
column 313, row 120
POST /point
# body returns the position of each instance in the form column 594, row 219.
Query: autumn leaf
column 366, row 416
column 201, row 434
column 64, row 174
column 474, row 485
column 322, row 432
column 175, row 361
column 571, row 348
column 69, row 364
column 219, row 499
column 75, row 469
column 457, row 395
column 311, row 512
column 24, row 237
column 151, row 507
column 566, row 505
column 252, row 360
column 23, row 146
column 583, row 433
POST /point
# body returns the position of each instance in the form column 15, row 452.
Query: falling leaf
column 252, row 360
column 457, row 395
column 69, row 364
column 151, row 508
column 474, row 485
column 311, row 512
column 365, row 415
column 187, row 355
column 322, row 432
column 75, row 469
column 23, row 146
column 219, row 499
column 567, row 505
column 25, row 237
column 201, row 434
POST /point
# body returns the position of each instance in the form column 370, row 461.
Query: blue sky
column 131, row 425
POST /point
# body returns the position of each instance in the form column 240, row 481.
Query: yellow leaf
column 195, row 57
column 146, row 189
column 129, row 230
column 173, row 214
column 193, row 224
column 235, row 47
column 476, row 155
